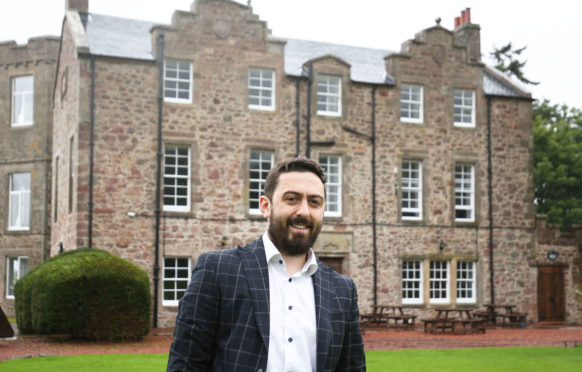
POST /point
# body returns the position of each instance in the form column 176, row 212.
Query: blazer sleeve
column 193, row 347
column 353, row 357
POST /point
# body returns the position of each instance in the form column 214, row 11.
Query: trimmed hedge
column 89, row 294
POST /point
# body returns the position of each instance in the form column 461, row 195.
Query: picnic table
column 382, row 315
column 505, row 312
column 464, row 322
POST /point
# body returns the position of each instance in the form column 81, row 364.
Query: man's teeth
column 299, row 226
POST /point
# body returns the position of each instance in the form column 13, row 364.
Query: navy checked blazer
column 223, row 318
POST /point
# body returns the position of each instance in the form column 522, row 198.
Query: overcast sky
column 551, row 30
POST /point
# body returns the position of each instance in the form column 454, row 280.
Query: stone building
column 428, row 152
column 27, row 76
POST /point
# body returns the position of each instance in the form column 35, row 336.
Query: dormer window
column 329, row 95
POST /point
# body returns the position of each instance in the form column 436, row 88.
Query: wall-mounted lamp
column 223, row 241
column 552, row 255
column 442, row 245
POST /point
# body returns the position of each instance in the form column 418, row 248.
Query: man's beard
column 298, row 244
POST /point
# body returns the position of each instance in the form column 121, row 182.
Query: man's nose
column 303, row 208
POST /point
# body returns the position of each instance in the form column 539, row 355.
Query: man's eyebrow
column 296, row 193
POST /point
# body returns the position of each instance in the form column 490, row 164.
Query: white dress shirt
column 293, row 329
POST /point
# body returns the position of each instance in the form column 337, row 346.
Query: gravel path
column 159, row 340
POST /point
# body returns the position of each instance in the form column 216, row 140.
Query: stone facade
column 26, row 149
column 118, row 96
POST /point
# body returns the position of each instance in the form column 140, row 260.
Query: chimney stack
column 465, row 18
column 81, row 6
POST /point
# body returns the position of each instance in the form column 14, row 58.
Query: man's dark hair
column 299, row 164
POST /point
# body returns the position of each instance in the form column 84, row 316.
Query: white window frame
column 175, row 172
column 329, row 94
column 409, row 188
column 181, row 68
column 439, row 280
column 408, row 104
column 262, row 89
column 465, row 191
column 332, row 166
column 464, row 108
column 412, row 281
column 260, row 163
column 26, row 100
column 20, row 204
column 175, row 278
column 466, row 282
column 15, row 274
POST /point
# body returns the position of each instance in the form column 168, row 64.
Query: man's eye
column 291, row 199
column 316, row 202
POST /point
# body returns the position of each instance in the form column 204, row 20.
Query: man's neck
column 294, row 264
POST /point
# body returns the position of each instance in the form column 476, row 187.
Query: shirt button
column 290, row 307
column 290, row 280
column 281, row 262
column 290, row 339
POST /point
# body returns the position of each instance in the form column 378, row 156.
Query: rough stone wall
column 26, row 149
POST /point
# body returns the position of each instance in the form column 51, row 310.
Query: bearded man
column 271, row 305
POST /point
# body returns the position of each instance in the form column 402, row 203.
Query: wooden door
column 334, row 262
column 551, row 294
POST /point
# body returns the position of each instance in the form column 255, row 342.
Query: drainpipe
column 490, row 197
column 158, row 174
column 91, row 151
column 308, row 121
column 372, row 139
column 297, row 123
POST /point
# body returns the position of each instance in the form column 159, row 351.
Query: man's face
column 296, row 212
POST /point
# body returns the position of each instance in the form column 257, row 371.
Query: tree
column 506, row 58
column 557, row 132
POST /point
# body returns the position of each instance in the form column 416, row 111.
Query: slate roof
column 129, row 38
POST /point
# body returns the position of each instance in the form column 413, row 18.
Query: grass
column 474, row 360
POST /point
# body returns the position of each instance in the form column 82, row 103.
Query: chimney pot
column 468, row 14
column 457, row 21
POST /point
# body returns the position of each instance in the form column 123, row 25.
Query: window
column 412, row 282
column 22, row 101
column 260, row 164
column 332, row 166
column 466, row 282
column 177, row 81
column 464, row 104
column 17, row 268
column 261, row 89
column 176, row 278
column 411, row 102
column 329, row 95
column 411, row 190
column 464, row 193
column 177, row 178
column 19, row 201
column 439, row 282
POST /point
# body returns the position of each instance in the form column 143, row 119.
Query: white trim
column 22, row 199
column 175, row 279
column 17, row 274
column 261, row 79
column 406, row 188
column 446, row 281
column 327, row 82
column 420, row 299
column 473, row 282
column 261, row 180
column 462, row 106
column 409, row 101
column 329, row 184
column 178, row 80
column 175, row 176
column 464, row 190
column 26, row 98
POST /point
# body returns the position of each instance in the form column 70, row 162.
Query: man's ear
column 265, row 206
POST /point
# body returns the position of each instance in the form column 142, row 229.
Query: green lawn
column 474, row 360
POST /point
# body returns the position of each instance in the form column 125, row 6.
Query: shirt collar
column 273, row 255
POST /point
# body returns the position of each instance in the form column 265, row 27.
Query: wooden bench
column 513, row 319
column 486, row 315
column 432, row 325
column 407, row 320
column 472, row 325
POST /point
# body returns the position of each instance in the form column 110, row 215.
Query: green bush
column 87, row 293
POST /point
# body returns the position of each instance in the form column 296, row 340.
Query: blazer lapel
column 255, row 265
column 321, row 289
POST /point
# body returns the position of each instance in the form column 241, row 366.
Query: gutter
column 91, row 151
column 490, row 197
